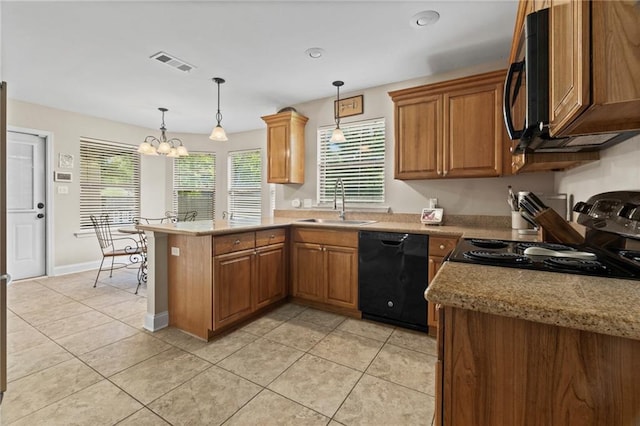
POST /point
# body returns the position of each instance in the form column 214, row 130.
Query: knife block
column 555, row 228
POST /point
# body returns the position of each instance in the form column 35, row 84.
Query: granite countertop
column 602, row 305
column 221, row 227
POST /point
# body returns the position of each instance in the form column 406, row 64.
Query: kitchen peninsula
column 192, row 266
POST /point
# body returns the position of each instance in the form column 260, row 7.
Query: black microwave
column 526, row 97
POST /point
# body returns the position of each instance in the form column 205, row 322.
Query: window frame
column 92, row 200
column 195, row 188
column 352, row 176
column 256, row 190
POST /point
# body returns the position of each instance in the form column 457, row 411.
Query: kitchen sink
column 337, row 221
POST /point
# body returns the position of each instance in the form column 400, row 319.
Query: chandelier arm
column 151, row 139
column 174, row 141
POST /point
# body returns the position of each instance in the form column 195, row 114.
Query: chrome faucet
column 335, row 197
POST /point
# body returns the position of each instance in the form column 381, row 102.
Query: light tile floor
column 78, row 355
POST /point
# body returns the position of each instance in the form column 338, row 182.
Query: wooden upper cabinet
column 285, row 147
column 417, row 123
column 568, row 62
column 594, row 67
column 473, row 134
column 451, row 129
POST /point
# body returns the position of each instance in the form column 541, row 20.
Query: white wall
column 618, row 169
column 485, row 196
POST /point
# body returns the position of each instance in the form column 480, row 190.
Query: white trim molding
column 155, row 322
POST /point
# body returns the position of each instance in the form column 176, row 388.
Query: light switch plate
column 175, row 251
column 63, row 189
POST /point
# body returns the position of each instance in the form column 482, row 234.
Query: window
column 109, row 181
column 194, row 185
column 245, row 190
column 359, row 162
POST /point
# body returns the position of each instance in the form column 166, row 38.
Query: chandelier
column 171, row 148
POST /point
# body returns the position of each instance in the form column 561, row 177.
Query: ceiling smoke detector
column 172, row 61
column 424, row 18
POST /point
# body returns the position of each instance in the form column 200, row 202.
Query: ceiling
column 93, row 57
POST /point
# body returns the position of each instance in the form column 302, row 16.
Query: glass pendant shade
column 218, row 134
column 182, row 151
column 337, row 135
column 144, row 148
column 164, row 148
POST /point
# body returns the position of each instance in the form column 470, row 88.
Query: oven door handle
column 506, row 105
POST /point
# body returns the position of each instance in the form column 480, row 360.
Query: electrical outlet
column 63, row 189
column 175, row 251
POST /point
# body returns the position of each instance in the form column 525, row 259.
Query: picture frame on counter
column 431, row 216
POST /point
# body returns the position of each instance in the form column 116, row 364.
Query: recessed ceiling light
column 424, row 18
column 314, row 52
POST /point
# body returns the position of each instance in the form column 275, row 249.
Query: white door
column 26, row 205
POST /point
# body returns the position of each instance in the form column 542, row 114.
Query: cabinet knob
column 439, row 172
column 441, row 246
column 272, row 236
column 236, row 242
column 444, row 172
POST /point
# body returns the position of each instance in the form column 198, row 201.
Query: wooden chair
column 116, row 247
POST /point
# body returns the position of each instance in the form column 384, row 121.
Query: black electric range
column 511, row 254
column 611, row 243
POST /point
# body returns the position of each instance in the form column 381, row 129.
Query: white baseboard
column 76, row 267
column 157, row 321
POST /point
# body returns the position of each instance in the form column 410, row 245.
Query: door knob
column 41, row 205
column 40, row 215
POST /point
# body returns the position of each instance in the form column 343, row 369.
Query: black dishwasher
column 392, row 277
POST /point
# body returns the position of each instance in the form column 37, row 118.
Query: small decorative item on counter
column 432, row 216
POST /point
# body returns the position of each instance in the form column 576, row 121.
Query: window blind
column 109, row 181
column 359, row 162
column 194, row 185
column 245, row 190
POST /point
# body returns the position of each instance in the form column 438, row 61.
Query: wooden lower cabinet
column 497, row 370
column 233, row 280
column 439, row 248
column 218, row 281
column 325, row 267
column 270, row 275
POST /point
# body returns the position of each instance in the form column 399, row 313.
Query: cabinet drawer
column 441, row 246
column 326, row 236
column 233, row 242
column 270, row 236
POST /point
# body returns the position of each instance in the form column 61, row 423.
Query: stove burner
column 497, row 258
column 570, row 264
column 633, row 255
column 490, row 244
column 550, row 246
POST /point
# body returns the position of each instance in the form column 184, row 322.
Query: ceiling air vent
column 172, row 61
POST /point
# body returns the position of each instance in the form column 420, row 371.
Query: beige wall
column 618, row 169
column 64, row 128
column 457, row 196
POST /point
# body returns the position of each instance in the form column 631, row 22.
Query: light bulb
column 164, row 148
column 182, row 151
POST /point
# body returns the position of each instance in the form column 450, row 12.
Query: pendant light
column 218, row 133
column 170, row 147
column 337, row 135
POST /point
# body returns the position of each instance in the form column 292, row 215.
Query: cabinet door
column 278, row 153
column 569, row 64
column 473, row 131
column 232, row 284
column 270, row 275
column 418, row 138
column 342, row 276
column 308, row 271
